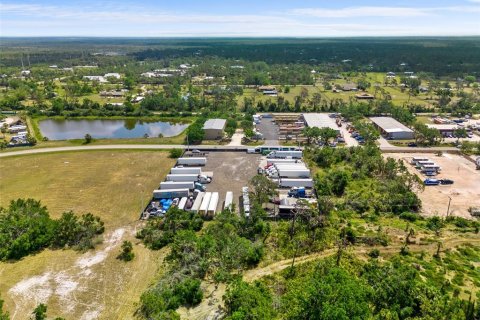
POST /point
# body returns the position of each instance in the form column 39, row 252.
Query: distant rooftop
column 218, row 124
column 390, row 125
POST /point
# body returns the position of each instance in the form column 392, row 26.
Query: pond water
column 55, row 129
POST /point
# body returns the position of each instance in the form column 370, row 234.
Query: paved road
column 269, row 131
column 121, row 146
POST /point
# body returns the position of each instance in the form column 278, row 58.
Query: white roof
column 390, row 125
column 320, row 120
column 218, row 124
column 443, row 126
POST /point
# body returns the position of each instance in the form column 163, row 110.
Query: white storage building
column 392, row 128
column 319, row 120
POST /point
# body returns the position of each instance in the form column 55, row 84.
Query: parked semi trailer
column 285, row 154
column 228, row 201
column 288, row 183
column 291, row 173
column 205, row 202
column 189, row 177
column 177, row 185
column 200, row 161
column 170, row 193
column 198, row 202
column 212, row 205
column 280, row 161
column 186, row 170
column 182, row 203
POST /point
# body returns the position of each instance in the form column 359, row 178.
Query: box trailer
column 198, row 201
column 177, row 185
column 170, row 193
column 288, row 183
column 280, row 161
column 182, row 203
column 291, row 173
column 205, row 202
column 212, row 205
column 228, row 205
column 191, row 161
column 285, row 154
column 189, row 177
column 186, row 170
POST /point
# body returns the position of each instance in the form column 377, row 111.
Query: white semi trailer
column 177, row 185
column 170, row 193
column 200, row 161
column 197, row 203
column 212, row 205
column 189, row 177
column 186, row 170
column 228, row 205
column 288, row 183
column 182, row 203
column 285, row 154
column 291, row 173
column 281, row 161
column 205, row 202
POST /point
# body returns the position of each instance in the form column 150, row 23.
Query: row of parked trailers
column 426, row 166
column 290, row 173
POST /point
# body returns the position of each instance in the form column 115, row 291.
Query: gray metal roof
column 320, row 120
column 389, row 124
column 218, row 124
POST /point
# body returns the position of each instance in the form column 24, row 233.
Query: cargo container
column 197, row 203
column 170, row 193
column 288, row 183
column 228, row 201
column 205, row 202
column 188, row 177
column 200, row 161
column 182, row 203
column 176, row 185
column 285, row 154
column 212, row 206
column 189, row 170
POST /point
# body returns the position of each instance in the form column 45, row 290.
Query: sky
column 239, row 18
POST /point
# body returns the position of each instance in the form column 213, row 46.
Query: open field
column 110, row 184
column 465, row 192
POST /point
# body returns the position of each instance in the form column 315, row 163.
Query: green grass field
column 111, row 184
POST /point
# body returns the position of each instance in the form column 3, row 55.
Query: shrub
column 175, row 153
column 409, row 216
column 127, row 251
column 375, row 253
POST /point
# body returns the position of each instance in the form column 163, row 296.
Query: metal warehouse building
column 214, row 128
column 319, row 120
column 392, row 128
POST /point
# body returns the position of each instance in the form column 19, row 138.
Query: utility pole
column 448, row 209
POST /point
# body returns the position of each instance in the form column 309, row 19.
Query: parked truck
column 186, row 170
column 291, row 173
column 170, row 193
column 189, row 177
column 192, row 161
column 288, row 183
column 298, row 192
column 285, row 154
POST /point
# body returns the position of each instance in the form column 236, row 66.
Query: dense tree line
column 26, row 227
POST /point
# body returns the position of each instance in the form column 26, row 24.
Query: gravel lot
column 231, row 172
column 465, row 192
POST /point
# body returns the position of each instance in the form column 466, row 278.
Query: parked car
column 412, row 144
column 431, row 182
column 196, row 151
column 446, row 181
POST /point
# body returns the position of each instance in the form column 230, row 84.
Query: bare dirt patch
column 465, row 192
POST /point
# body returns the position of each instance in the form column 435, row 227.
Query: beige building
column 214, row 129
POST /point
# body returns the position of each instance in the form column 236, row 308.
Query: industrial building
column 445, row 129
column 392, row 129
column 214, row 129
column 319, row 120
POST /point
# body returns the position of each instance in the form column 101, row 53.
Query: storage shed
column 392, row 129
column 214, row 129
column 319, row 120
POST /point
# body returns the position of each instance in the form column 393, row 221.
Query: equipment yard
column 464, row 192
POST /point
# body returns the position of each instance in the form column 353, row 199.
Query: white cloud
column 362, row 12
